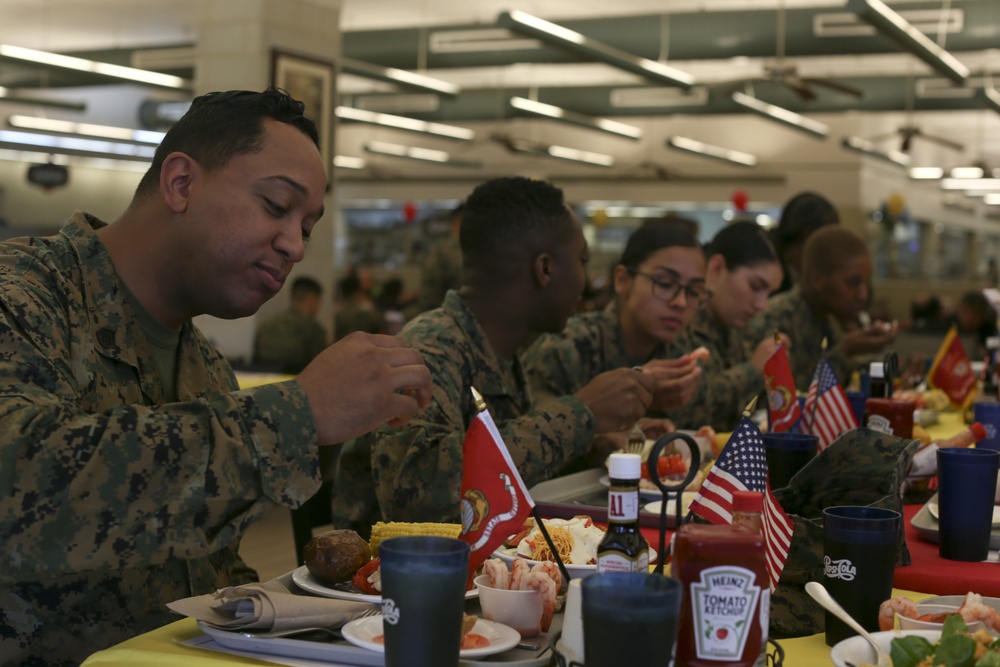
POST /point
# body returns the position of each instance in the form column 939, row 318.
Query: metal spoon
column 819, row 593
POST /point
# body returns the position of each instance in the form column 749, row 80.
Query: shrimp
column 551, row 569
column 519, row 571
column 498, row 573
column 538, row 580
column 973, row 610
column 897, row 605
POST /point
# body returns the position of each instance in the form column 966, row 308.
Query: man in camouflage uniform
column 291, row 340
column 442, row 270
column 131, row 462
column 837, row 273
column 524, row 272
column 355, row 312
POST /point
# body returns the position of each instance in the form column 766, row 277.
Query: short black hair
column 802, row 215
column 305, row 286
column 830, row 248
column 742, row 244
column 509, row 218
column 348, row 286
column 654, row 235
column 219, row 126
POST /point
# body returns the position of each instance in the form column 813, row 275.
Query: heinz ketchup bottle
column 726, row 607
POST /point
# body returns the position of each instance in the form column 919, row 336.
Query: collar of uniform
column 491, row 377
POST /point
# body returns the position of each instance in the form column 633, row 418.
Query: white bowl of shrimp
column 523, row 598
column 930, row 614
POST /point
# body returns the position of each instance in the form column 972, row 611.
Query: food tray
column 289, row 650
column 927, row 526
column 583, row 493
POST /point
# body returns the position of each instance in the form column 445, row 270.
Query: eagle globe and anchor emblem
column 778, row 398
column 476, row 508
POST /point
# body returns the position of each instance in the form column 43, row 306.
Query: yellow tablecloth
column 249, row 380
column 160, row 648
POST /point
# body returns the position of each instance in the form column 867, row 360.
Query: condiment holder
column 667, row 489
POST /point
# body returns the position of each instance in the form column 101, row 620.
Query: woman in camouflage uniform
column 743, row 271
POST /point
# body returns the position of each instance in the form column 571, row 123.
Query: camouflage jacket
column 417, row 468
column 113, row 503
column 351, row 317
column 728, row 380
column 591, row 344
column 789, row 313
column 289, row 341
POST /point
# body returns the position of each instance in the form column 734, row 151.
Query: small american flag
column 742, row 466
column 827, row 412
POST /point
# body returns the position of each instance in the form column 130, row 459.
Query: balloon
column 409, row 211
column 740, row 199
column 895, row 204
column 599, row 217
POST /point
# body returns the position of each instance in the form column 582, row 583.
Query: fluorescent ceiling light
column 560, row 152
column 970, row 184
column 991, row 97
column 966, row 172
column 563, row 37
column 6, row 94
column 416, row 153
column 992, row 200
column 708, row 150
column 776, row 113
column 75, row 146
column 399, row 76
column 86, row 130
column 898, row 29
column 926, row 173
column 84, row 65
column 866, row 147
column 558, row 113
column 404, row 123
column 348, row 162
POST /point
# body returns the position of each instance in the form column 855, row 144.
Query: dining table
column 928, row 574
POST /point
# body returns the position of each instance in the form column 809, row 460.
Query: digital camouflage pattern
column 113, row 503
column 861, row 467
column 442, row 271
column 351, row 317
column 728, row 380
column 417, row 468
column 591, row 343
column 289, row 341
column 789, row 313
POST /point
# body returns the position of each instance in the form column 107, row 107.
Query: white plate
column 857, row 650
column 686, row 499
column 933, row 509
column 645, row 494
column 304, row 579
column 509, row 554
column 362, row 631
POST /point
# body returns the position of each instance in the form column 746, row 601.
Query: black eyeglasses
column 667, row 289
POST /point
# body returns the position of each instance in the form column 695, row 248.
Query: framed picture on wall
column 310, row 81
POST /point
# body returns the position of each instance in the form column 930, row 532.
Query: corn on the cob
column 382, row 531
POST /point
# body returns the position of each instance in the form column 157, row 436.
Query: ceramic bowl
column 925, row 608
column 521, row 610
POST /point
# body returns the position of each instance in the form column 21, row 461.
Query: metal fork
column 333, row 632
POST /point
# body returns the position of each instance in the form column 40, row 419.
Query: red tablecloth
column 928, row 572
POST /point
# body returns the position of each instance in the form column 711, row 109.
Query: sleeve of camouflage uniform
column 561, row 364
column 133, row 485
column 417, row 468
column 720, row 397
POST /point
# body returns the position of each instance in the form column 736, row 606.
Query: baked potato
column 333, row 557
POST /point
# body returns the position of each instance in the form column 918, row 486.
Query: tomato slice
column 360, row 578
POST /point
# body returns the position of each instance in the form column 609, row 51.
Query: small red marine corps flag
column 495, row 502
column 782, row 402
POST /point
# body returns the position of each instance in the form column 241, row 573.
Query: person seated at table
column 801, row 215
column 659, row 284
column 131, row 461
column 837, row 271
column 743, row 270
column 524, row 256
column 290, row 340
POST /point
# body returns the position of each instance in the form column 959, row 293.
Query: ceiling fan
column 910, row 130
column 786, row 74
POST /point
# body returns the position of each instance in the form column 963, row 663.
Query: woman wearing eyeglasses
column 743, row 271
column 659, row 285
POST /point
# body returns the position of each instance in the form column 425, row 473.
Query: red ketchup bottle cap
column 748, row 501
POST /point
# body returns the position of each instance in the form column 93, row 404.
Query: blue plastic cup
column 859, row 560
column 787, row 453
column 988, row 414
column 423, row 598
column 630, row 618
column 967, row 485
column 857, row 400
